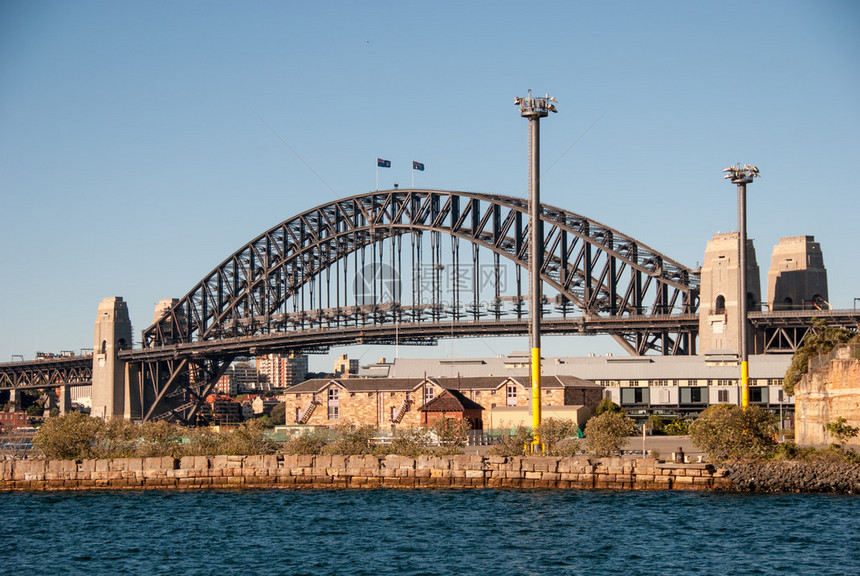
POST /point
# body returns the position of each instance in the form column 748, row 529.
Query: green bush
column 69, row 437
column 310, row 443
column 728, row 432
column 841, row 430
column 350, row 440
column 607, row 433
column 512, row 444
column 410, row 442
column 677, row 427
column 451, row 432
column 607, row 405
column 553, row 430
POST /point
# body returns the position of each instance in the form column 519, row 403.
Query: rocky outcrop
column 835, row 477
column 831, row 389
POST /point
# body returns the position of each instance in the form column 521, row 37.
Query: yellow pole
column 535, row 398
column 745, row 385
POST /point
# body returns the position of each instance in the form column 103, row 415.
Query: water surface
column 413, row 532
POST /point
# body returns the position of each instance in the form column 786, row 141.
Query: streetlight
column 534, row 109
column 742, row 175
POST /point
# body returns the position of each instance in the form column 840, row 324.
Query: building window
column 635, row 396
column 758, row 394
column 428, row 393
column 720, row 305
column 333, row 404
column 298, row 414
column 512, row 394
column 722, row 396
column 692, row 395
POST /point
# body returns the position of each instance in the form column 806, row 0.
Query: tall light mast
column 742, row 175
column 534, row 109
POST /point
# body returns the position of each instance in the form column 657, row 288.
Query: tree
column 68, row 437
column 513, row 444
column 451, row 432
column 821, row 339
column 554, row 430
column 278, row 415
column 726, row 432
column 607, row 405
column 842, row 431
column 607, row 433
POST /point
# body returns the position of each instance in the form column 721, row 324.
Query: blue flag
column 417, row 166
column 383, row 163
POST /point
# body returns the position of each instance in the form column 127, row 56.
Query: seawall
column 292, row 471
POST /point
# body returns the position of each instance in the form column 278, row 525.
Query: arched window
column 104, row 347
column 720, row 305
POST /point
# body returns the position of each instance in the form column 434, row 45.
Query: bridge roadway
column 407, row 333
column 781, row 328
column 47, row 373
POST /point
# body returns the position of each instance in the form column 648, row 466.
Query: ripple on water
column 382, row 532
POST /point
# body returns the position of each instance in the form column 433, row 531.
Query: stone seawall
column 277, row 471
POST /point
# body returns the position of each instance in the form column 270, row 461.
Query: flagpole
column 377, row 175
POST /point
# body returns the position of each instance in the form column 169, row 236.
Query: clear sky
column 141, row 143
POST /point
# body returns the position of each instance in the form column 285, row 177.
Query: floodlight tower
column 742, row 175
column 534, row 109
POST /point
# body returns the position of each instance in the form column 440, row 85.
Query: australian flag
column 417, row 166
column 383, row 163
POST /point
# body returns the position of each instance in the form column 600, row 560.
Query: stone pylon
column 112, row 334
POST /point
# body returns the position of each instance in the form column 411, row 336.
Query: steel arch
column 597, row 269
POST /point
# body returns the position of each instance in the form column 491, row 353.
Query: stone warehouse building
column 397, row 402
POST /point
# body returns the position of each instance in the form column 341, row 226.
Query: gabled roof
column 450, row 401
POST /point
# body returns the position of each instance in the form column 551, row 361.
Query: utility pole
column 534, row 109
column 742, row 176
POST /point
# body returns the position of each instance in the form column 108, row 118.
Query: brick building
column 384, row 402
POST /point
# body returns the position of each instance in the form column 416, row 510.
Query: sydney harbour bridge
column 408, row 266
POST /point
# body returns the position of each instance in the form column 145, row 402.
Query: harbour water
column 414, row 532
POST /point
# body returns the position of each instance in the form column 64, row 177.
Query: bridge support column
column 112, row 334
column 15, row 398
column 65, row 399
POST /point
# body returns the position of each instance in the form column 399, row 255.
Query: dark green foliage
column 278, row 415
column 841, row 430
column 607, row 433
column 821, row 339
column 607, row 405
column 677, row 427
column 728, row 432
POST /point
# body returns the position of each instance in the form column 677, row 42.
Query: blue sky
column 141, row 143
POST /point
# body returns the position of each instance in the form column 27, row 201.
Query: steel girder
column 596, row 268
column 75, row 370
column 593, row 268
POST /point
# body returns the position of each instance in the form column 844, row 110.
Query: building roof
column 591, row 368
column 450, row 401
column 410, row 384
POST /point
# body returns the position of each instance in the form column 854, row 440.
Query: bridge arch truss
column 418, row 260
